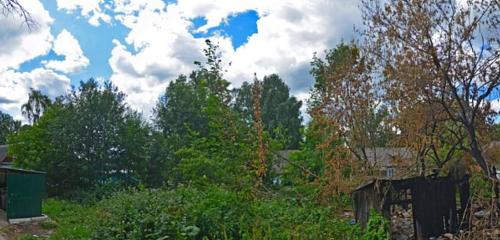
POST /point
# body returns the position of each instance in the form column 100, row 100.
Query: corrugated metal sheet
column 24, row 194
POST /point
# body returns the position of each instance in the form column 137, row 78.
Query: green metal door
column 24, row 195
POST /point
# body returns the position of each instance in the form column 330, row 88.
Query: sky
column 142, row 45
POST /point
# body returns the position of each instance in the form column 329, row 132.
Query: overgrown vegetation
column 215, row 162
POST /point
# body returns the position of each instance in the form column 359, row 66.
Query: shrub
column 377, row 228
column 70, row 220
column 214, row 213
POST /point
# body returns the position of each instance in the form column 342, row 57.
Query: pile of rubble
column 402, row 223
column 483, row 224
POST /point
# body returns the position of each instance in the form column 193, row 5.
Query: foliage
column 307, row 164
column 377, row 228
column 207, row 167
column 182, row 115
column 82, row 140
column 8, row 126
column 437, row 52
column 36, row 105
column 180, row 110
column 280, row 111
column 186, row 213
column 222, row 157
column 72, row 220
column 481, row 187
column 345, row 94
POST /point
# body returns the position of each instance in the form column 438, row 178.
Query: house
column 389, row 161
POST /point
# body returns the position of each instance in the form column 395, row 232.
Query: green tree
column 280, row 111
column 224, row 156
column 36, row 105
column 7, row 126
column 181, row 113
column 181, row 108
column 345, row 93
column 84, row 139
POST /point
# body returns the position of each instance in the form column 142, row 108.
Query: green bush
column 377, row 228
column 71, row 220
column 481, row 187
column 214, row 213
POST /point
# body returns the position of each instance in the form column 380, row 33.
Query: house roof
column 19, row 170
column 383, row 157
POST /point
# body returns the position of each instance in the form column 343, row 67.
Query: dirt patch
column 42, row 229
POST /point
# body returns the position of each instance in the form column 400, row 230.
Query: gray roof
column 383, row 157
column 3, row 152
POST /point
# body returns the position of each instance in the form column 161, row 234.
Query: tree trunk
column 475, row 150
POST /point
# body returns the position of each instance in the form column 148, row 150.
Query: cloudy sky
column 141, row 45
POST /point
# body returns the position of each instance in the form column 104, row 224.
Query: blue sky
column 238, row 27
column 96, row 41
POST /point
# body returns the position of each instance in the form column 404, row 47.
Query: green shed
column 21, row 192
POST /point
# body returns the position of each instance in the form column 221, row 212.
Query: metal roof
column 19, row 170
column 382, row 156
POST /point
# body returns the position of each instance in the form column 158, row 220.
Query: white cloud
column 14, row 87
column 90, row 9
column 19, row 44
column 495, row 105
column 162, row 49
column 67, row 45
column 217, row 12
column 160, row 46
column 288, row 35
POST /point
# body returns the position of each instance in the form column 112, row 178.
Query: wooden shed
column 21, row 192
column 433, row 202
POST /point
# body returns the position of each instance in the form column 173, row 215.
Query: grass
column 69, row 220
column 271, row 218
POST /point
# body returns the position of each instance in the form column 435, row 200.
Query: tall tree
column 280, row 112
column 37, row 103
column 442, row 51
column 345, row 93
column 260, row 162
column 84, row 139
column 182, row 113
column 181, row 109
column 8, row 126
column 224, row 156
